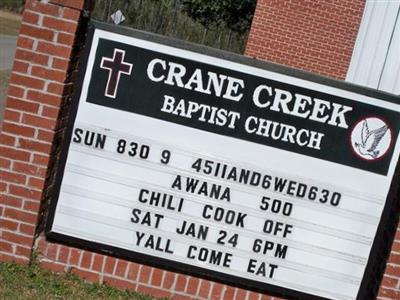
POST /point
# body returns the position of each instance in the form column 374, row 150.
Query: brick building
column 324, row 37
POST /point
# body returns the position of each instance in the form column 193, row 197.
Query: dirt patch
column 10, row 15
column 9, row 23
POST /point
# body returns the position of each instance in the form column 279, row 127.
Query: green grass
column 13, row 5
column 32, row 282
column 9, row 23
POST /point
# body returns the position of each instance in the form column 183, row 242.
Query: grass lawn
column 32, row 283
column 9, row 23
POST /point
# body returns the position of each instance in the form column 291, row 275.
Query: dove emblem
column 371, row 138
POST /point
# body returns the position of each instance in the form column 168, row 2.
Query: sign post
column 213, row 164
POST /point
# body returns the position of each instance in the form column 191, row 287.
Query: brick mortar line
column 389, row 288
column 34, row 115
column 211, row 288
column 393, row 265
column 54, row 17
column 22, row 150
column 48, row 81
column 12, row 148
column 103, row 265
column 37, row 129
column 22, row 198
column 18, row 173
column 198, row 289
column 26, row 184
column 57, row 254
column 164, row 275
column 16, row 160
column 42, row 91
column 40, row 20
column 235, row 293
column 17, row 233
column 391, row 276
column 34, row 51
column 68, row 257
column 34, row 138
column 14, row 111
column 40, row 25
column 66, row 6
column 13, row 244
column 126, row 268
column 14, row 254
column 80, row 257
column 33, row 64
column 151, row 275
column 139, row 272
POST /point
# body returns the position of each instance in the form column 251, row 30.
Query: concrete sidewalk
column 7, row 51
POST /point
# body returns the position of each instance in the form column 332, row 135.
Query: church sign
column 219, row 166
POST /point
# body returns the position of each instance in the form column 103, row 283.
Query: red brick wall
column 316, row 36
column 36, row 110
column 390, row 285
column 38, row 89
column 129, row 275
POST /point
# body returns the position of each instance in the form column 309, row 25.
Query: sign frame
column 388, row 222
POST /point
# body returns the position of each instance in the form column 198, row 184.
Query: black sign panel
column 212, row 164
column 149, row 95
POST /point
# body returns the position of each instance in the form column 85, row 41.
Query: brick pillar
column 40, row 86
column 316, row 36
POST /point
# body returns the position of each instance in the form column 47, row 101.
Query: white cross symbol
column 115, row 66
